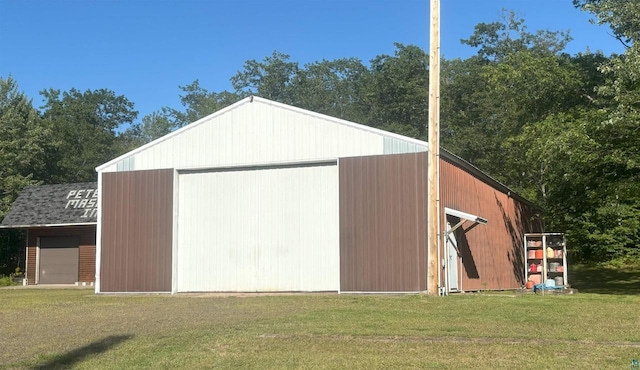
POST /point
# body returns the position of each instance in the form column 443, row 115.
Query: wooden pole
column 433, row 178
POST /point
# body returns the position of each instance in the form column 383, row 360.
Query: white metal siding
column 258, row 133
column 273, row 229
column 262, row 132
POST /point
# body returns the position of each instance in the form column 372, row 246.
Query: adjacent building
column 60, row 221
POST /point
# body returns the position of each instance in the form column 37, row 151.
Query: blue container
column 550, row 283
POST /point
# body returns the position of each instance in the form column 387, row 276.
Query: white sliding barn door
column 259, row 229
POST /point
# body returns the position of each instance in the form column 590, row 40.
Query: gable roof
column 54, row 205
column 253, row 124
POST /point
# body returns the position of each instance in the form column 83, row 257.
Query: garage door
column 265, row 229
column 58, row 260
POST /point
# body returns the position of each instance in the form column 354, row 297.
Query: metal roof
column 54, row 205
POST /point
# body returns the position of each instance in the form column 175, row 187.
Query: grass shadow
column 605, row 280
column 68, row 359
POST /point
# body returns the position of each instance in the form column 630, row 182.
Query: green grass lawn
column 606, row 279
column 73, row 328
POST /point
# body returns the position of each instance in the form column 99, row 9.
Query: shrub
column 6, row 280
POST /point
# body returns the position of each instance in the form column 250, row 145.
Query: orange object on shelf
column 539, row 253
column 535, row 278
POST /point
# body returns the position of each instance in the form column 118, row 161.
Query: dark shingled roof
column 61, row 204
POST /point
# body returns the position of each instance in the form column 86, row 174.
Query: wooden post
column 433, row 179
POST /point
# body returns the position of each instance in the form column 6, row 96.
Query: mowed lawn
column 73, row 328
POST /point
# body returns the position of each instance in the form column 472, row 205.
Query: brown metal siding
column 492, row 254
column 383, row 223
column 87, row 239
column 31, row 265
column 87, row 266
column 137, row 219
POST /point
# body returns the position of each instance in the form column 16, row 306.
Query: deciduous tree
column 86, row 125
column 270, row 78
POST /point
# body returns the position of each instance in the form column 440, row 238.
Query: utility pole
column 433, row 162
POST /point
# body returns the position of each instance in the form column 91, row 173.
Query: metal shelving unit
column 545, row 256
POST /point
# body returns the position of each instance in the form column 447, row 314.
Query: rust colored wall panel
column 87, row 267
column 31, row 265
column 137, row 223
column 87, row 238
column 492, row 254
column 383, row 223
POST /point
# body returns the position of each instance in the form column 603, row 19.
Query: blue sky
column 145, row 49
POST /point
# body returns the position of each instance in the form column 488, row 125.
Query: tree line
column 562, row 130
